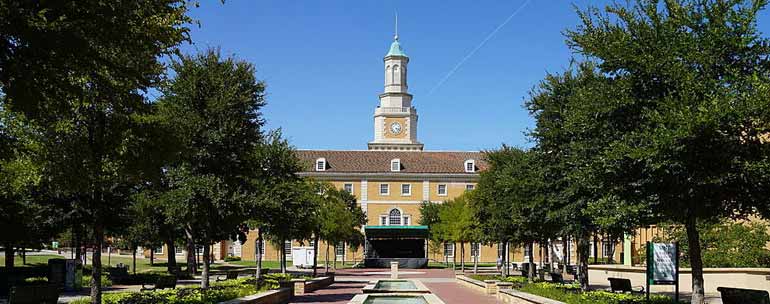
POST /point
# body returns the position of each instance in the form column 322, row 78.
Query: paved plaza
column 441, row 282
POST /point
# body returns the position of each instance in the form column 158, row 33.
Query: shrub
column 86, row 279
column 36, row 281
column 571, row 294
column 725, row 244
column 218, row 292
column 232, row 258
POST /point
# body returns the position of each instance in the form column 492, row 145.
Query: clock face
column 395, row 128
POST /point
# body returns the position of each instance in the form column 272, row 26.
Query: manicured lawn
column 277, row 265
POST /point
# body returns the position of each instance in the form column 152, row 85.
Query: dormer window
column 320, row 164
column 395, row 165
column 470, row 166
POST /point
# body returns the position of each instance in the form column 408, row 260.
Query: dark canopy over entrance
column 404, row 244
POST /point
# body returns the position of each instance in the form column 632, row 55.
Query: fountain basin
column 396, row 298
column 395, row 286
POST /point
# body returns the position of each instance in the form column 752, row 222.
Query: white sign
column 664, row 262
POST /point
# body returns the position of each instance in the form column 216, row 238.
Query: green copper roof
column 396, row 50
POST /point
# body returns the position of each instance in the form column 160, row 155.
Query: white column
column 425, row 190
column 364, row 195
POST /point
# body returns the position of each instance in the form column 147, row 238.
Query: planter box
column 303, row 286
column 488, row 286
column 517, row 297
column 277, row 296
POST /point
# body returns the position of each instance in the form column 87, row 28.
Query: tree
column 212, row 106
column 77, row 71
column 509, row 200
column 694, row 77
column 274, row 163
column 339, row 218
column 457, row 224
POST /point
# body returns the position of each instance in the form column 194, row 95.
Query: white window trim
column 387, row 188
column 178, row 250
column 453, row 250
column 406, row 220
column 407, row 193
column 344, row 250
column 393, row 163
column 290, row 249
column 400, row 217
column 471, row 162
column 352, row 187
column 383, row 220
column 470, row 187
column 319, row 161
column 478, row 252
column 162, row 250
column 438, row 189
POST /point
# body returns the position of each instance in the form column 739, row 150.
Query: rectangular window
column 395, row 165
column 320, row 165
column 383, row 220
column 384, row 189
column 348, row 188
column 260, row 247
column 470, row 187
column 607, row 247
column 442, row 189
column 470, row 166
column 178, row 250
column 158, row 250
column 449, row 250
column 287, row 248
column 339, row 249
column 591, row 250
column 406, row 221
column 527, row 251
column 406, row 189
column 475, row 248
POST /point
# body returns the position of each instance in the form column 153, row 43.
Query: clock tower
column 395, row 120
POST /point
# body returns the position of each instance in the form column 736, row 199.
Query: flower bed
column 218, row 292
column 571, row 294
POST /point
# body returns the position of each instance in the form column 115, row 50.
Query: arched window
column 394, row 217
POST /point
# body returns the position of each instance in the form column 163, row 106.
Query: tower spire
column 395, row 37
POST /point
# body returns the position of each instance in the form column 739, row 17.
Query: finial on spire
column 395, row 37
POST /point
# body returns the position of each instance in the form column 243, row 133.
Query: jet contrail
column 462, row 61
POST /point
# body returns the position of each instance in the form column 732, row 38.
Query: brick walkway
column 337, row 293
column 454, row 293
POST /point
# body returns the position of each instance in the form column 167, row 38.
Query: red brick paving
column 337, row 293
column 454, row 293
column 424, row 273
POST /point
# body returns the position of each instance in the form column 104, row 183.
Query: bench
column 740, row 296
column 525, row 269
column 231, row 275
column 34, row 294
column 557, row 278
column 623, row 285
column 162, row 283
column 118, row 274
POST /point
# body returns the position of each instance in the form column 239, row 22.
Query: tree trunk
column 191, row 266
column 476, row 259
column 9, row 256
column 541, row 272
column 696, row 262
column 259, row 256
column 171, row 257
column 326, row 263
column 462, row 256
column 96, row 269
column 315, row 255
column 583, row 253
column 23, row 255
column 206, row 263
column 133, row 259
column 344, row 247
column 335, row 257
column 531, row 262
column 565, row 253
column 152, row 256
column 596, row 249
column 508, row 258
column 283, row 256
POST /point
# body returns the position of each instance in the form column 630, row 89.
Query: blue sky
column 322, row 62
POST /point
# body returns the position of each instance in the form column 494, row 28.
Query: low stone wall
column 750, row 278
column 277, row 296
column 303, row 286
column 517, row 297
